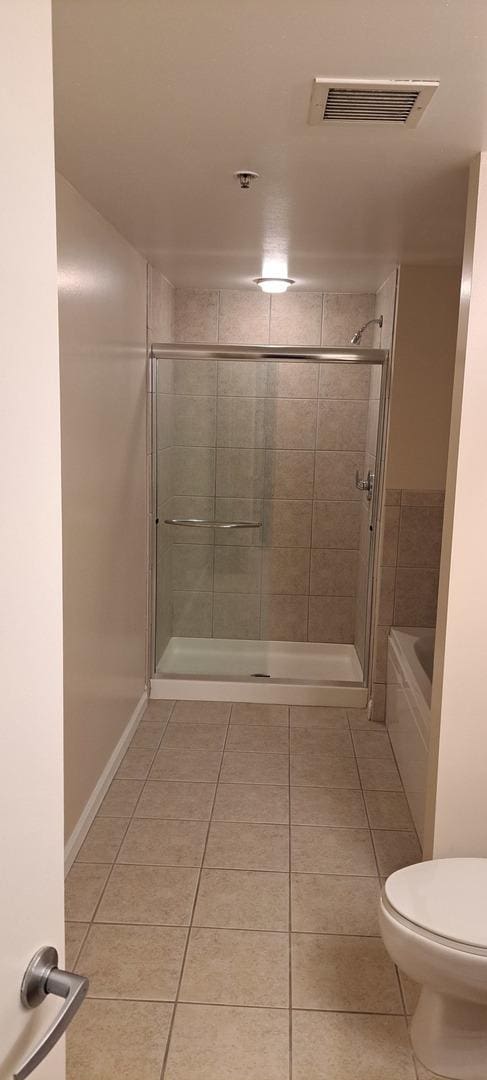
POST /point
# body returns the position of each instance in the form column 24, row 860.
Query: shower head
column 357, row 337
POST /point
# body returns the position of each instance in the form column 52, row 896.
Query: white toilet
column 433, row 920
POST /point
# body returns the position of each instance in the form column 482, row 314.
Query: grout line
column 195, row 900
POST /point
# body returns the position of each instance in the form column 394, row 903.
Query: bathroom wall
column 102, row 326
column 278, row 443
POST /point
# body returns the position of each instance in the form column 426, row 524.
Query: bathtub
column 409, row 677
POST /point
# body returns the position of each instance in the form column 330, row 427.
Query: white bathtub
column 409, row 675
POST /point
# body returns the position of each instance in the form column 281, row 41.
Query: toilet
column 433, row 921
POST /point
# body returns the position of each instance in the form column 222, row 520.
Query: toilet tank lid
column 448, row 897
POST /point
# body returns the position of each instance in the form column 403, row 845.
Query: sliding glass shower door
column 265, row 468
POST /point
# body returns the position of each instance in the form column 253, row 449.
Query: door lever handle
column 366, row 484
column 43, row 977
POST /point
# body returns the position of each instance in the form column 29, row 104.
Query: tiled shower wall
column 278, row 443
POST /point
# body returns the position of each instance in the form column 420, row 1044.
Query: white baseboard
column 98, row 794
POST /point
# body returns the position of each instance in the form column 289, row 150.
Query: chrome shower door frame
column 261, row 354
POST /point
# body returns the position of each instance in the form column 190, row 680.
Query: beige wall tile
column 289, row 474
column 333, row 572
column 344, row 381
column 187, row 506
column 284, row 618
column 285, row 570
column 420, row 535
column 193, row 420
column 342, row 425
column 160, row 306
column 325, row 969
column 236, row 967
column 165, row 421
column 291, row 380
column 386, row 597
column 390, row 535
column 227, row 509
column 331, row 618
column 336, row 525
column 380, row 659
column 240, row 473
column 208, row 1034
column 196, row 377
column 416, row 597
column 354, row 1047
column 243, row 899
column 244, row 317
column 241, row 422
column 324, row 904
column 335, row 476
column 192, row 614
column 290, row 423
column 196, row 315
column 192, row 470
column 237, row 570
column 343, row 314
column 133, row 961
column 192, row 567
column 287, row 523
column 423, row 498
column 236, row 616
column 296, row 319
column 242, row 378
column 118, row 1039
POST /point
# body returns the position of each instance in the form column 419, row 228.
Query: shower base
column 260, row 671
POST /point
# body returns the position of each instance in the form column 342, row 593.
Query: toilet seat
column 444, row 900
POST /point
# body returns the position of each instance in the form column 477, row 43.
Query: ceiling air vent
column 368, row 101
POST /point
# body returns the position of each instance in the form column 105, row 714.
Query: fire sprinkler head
column 245, row 177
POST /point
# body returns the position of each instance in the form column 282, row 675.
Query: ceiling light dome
column 274, row 284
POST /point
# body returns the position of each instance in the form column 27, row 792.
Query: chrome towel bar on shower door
column 202, row 523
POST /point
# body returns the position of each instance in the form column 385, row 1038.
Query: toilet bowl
column 433, row 921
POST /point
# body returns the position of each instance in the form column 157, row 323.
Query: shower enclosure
column 267, row 472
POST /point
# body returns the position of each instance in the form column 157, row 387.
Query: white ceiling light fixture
column 389, row 102
column 274, row 284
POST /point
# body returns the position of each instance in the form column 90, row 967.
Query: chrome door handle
column 203, row 523
column 43, row 977
column 366, row 484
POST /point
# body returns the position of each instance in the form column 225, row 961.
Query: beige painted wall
column 424, row 360
column 457, row 809
column 102, row 325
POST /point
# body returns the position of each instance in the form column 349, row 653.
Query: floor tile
column 306, row 738
column 245, row 712
column 74, row 936
column 241, row 768
column 329, row 904
column 378, row 774
column 194, row 735
column 372, row 744
column 202, row 710
column 121, row 798
column 395, row 850
column 332, row 851
column 133, row 961
column 111, row 1040
column 193, row 765
column 247, row 847
column 148, row 735
column 158, row 895
column 388, row 810
column 260, row 738
column 135, row 765
column 327, row 806
column 424, row 1074
column 323, row 717
column 243, row 899
column 324, row 770
column 252, row 802
column 236, row 967
column 350, row 1047
column 158, row 709
column 103, row 840
column 229, row 1044
column 343, row 974
column 411, row 991
column 83, row 888
column 166, row 843
column 359, row 721
column 181, row 799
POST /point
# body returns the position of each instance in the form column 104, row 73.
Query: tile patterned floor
column 224, row 902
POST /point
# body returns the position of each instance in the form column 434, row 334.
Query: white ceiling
column 158, row 102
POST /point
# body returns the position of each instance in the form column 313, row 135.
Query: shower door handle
column 203, row 523
column 43, row 977
column 365, row 484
